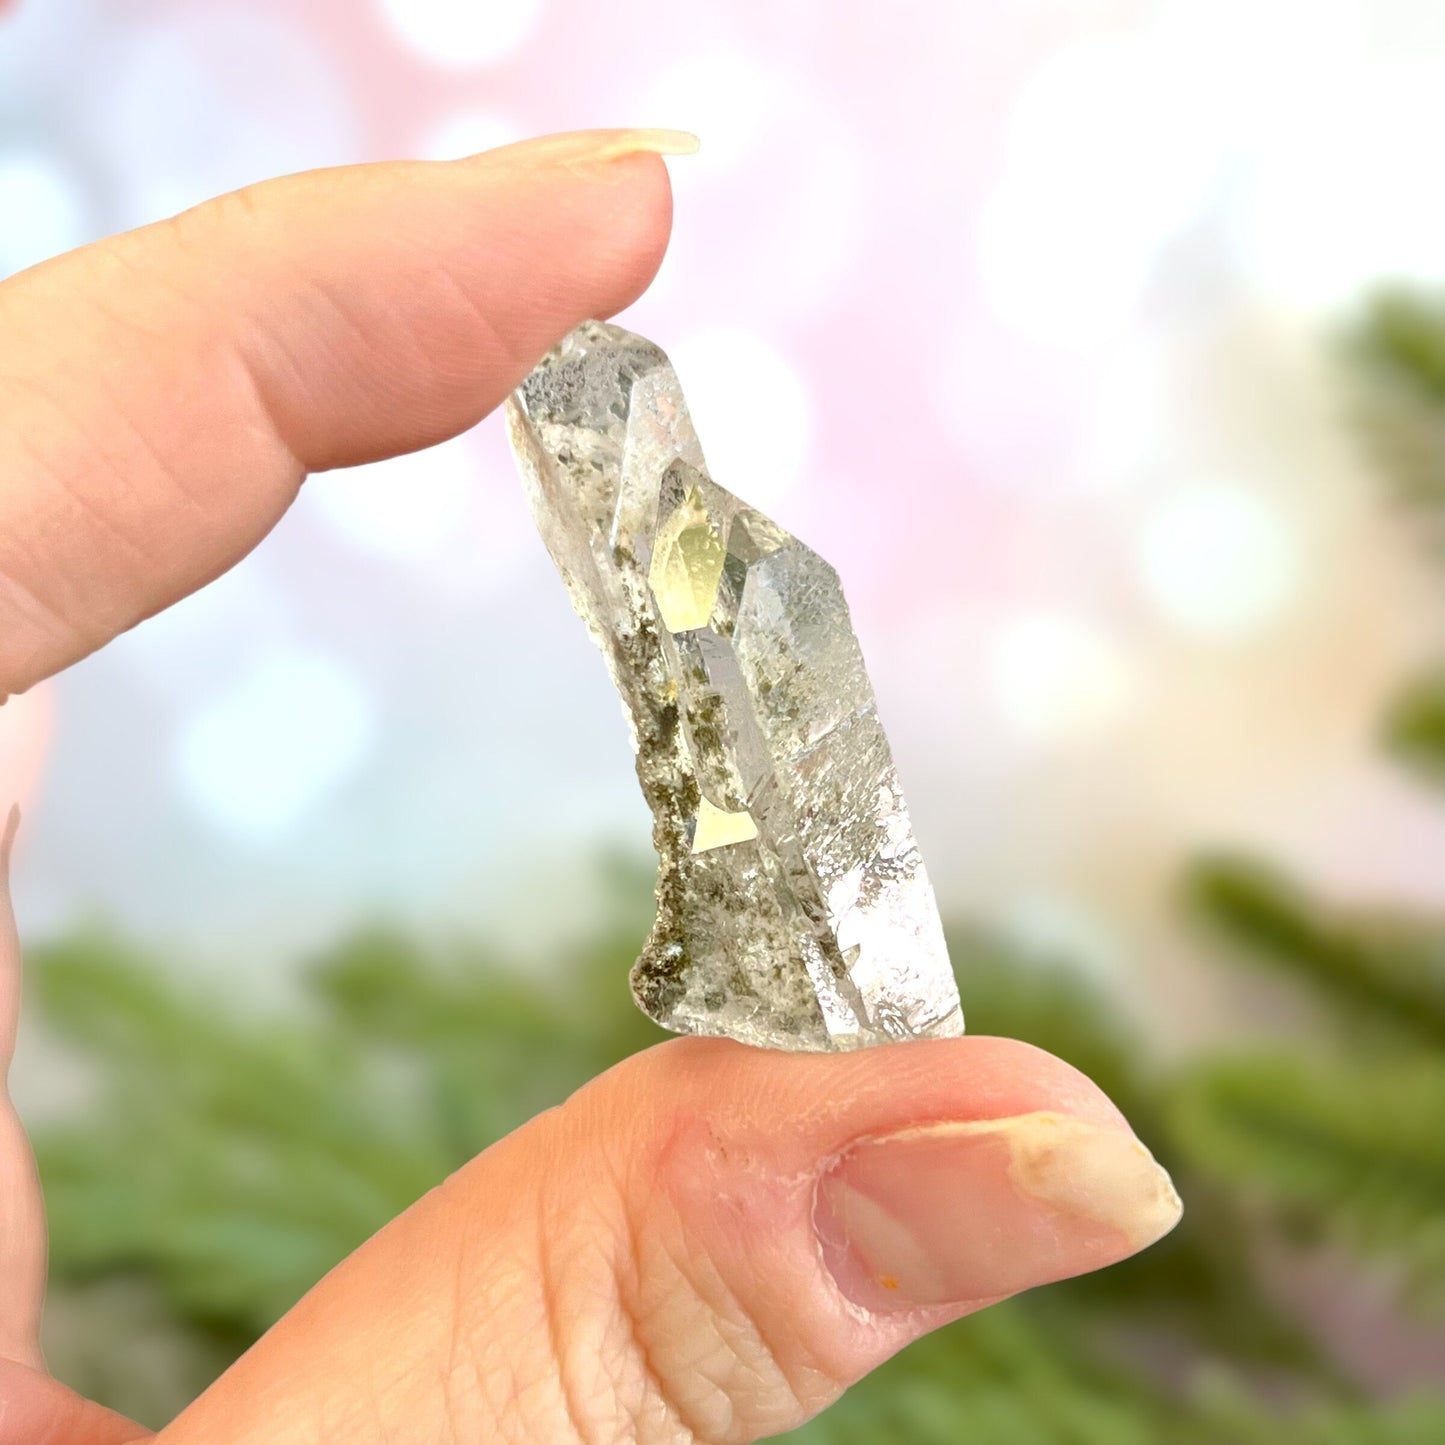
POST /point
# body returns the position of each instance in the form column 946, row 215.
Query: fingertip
column 644, row 226
column 603, row 252
column 529, row 241
column 612, row 248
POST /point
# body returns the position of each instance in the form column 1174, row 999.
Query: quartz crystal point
column 793, row 909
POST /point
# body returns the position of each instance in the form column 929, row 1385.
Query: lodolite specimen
column 793, row 909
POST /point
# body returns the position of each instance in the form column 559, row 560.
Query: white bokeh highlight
column 460, row 34
column 1220, row 562
column 258, row 756
column 751, row 409
column 467, row 133
column 1057, row 930
column 403, row 508
column 1256, row 66
column 43, row 208
column 1128, row 417
column 1057, row 678
column 723, row 95
column 1341, row 194
column 1110, row 154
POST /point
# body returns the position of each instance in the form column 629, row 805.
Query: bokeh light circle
column 1066, row 293
column 1107, row 125
column 1219, row 561
column 467, row 133
column 1056, row 677
column 405, row 507
column 1110, row 154
column 749, row 403
column 43, row 208
column 723, row 95
column 1336, row 199
column 459, row 34
column 257, row 757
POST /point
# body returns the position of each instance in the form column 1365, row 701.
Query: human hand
column 709, row 1242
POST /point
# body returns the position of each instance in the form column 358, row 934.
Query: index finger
column 163, row 393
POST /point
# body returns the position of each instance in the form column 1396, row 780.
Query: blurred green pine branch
column 1414, row 728
column 1348, row 1150
column 1344, row 1140
column 1394, row 352
column 228, row 1158
column 1357, row 966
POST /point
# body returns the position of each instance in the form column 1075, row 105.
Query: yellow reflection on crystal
column 716, row 828
column 687, row 563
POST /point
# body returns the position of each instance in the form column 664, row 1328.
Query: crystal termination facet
column 793, row 909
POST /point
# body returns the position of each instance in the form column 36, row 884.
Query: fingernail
column 948, row 1213
column 659, row 142
column 609, row 145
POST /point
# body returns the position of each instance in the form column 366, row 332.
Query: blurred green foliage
column 1378, row 967
column 229, row 1156
column 1415, row 726
column 1343, row 1137
column 1394, row 352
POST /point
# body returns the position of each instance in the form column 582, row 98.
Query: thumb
column 707, row 1243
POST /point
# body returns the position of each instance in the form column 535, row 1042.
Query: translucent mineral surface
column 793, row 909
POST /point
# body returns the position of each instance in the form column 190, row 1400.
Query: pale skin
column 655, row 1260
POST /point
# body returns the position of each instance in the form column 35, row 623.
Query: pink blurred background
column 1018, row 313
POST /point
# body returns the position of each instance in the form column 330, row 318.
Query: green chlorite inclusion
column 793, row 909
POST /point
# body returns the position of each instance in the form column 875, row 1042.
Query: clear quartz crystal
column 793, row 909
